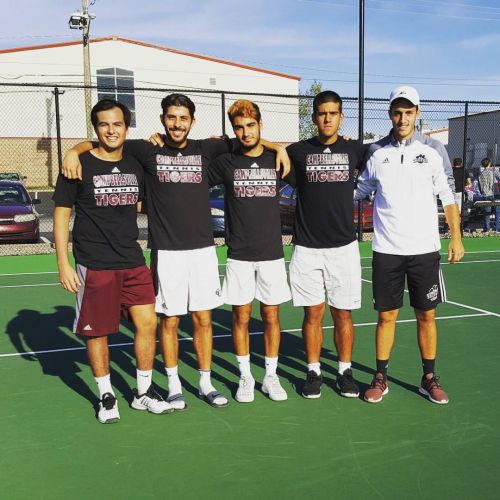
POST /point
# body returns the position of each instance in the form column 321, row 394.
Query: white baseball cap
column 405, row 92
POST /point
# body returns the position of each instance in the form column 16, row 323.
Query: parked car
column 288, row 201
column 12, row 176
column 18, row 218
column 217, row 209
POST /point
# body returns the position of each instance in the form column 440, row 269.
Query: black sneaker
column 312, row 386
column 347, row 385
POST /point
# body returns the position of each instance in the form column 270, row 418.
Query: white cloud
column 481, row 42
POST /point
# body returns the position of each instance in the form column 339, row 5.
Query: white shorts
column 458, row 200
column 264, row 280
column 187, row 280
column 336, row 270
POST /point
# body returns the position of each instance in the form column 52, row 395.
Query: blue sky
column 448, row 49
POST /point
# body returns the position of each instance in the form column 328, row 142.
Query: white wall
column 30, row 113
column 483, row 131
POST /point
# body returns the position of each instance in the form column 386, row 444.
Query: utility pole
column 86, row 69
column 81, row 21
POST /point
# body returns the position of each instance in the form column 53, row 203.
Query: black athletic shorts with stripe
column 422, row 272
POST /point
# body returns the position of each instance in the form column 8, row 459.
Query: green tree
column 306, row 126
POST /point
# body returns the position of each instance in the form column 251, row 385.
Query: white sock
column 314, row 367
column 144, row 380
column 104, row 385
column 271, row 365
column 205, row 382
column 244, row 365
column 343, row 367
column 174, row 382
column 206, row 386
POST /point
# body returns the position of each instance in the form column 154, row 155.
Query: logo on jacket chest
column 420, row 159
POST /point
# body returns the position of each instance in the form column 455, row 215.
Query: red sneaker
column 378, row 389
column 431, row 388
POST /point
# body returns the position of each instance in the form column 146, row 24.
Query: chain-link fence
column 40, row 123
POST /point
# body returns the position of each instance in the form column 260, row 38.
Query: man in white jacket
column 407, row 170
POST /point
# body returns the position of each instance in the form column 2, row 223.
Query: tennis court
column 328, row 448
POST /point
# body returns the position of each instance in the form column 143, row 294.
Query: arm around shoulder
column 71, row 166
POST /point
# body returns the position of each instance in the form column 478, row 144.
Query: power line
column 395, row 9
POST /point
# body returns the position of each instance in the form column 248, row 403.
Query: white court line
column 287, row 261
column 28, row 286
column 222, row 275
column 27, row 274
column 222, row 265
column 455, row 263
column 227, row 335
column 489, row 313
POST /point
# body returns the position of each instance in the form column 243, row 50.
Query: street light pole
column 361, row 99
column 361, row 89
column 81, row 21
column 86, row 69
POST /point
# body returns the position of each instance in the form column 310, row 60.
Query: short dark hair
column 326, row 96
column 104, row 105
column 457, row 162
column 178, row 100
column 485, row 162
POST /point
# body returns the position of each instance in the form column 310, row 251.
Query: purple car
column 18, row 218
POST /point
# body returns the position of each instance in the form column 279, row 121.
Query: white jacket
column 406, row 178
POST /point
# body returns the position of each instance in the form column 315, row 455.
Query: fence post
column 56, row 93
column 223, row 106
column 464, row 161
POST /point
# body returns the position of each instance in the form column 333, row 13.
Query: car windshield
column 9, row 176
column 12, row 195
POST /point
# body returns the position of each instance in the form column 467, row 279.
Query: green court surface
column 330, row 448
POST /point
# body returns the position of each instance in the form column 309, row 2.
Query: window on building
column 118, row 84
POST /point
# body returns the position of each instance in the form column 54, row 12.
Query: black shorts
column 423, row 273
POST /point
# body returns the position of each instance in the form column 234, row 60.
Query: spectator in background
column 458, row 175
column 488, row 184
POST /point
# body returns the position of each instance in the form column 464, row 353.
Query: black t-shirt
column 177, row 192
column 105, row 229
column 324, row 177
column 253, row 227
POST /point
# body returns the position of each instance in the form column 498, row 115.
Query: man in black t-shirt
column 255, row 265
column 326, row 254
column 111, row 274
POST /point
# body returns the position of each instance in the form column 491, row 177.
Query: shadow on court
column 32, row 331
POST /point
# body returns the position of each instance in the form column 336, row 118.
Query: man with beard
column 255, row 265
column 184, row 261
column 325, row 255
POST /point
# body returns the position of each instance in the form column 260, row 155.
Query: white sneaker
column 245, row 392
column 271, row 386
column 152, row 402
column 108, row 409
